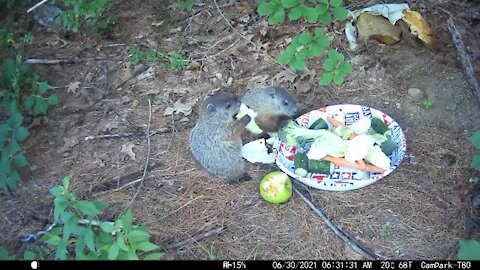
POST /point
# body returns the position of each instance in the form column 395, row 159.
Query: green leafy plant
column 5, row 255
column 427, row 103
column 35, row 253
column 17, row 82
column 186, row 4
column 11, row 36
column 8, row 3
column 137, row 55
column 336, row 68
column 475, row 140
column 176, row 62
column 81, row 237
column 172, row 61
column 312, row 10
column 303, row 47
column 469, row 250
column 95, row 12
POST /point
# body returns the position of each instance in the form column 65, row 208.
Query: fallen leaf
column 69, row 143
column 107, row 125
column 127, row 149
column 284, row 76
column 73, row 87
column 168, row 111
column 302, row 86
column 99, row 162
column 257, row 80
column 420, row 28
column 184, row 107
column 150, row 72
column 377, row 27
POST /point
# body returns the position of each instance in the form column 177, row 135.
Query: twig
column 196, row 238
column 128, row 134
column 161, row 130
column 36, row 6
column 31, row 61
column 110, row 136
column 340, row 233
column 266, row 55
column 32, row 237
column 464, row 57
column 148, row 155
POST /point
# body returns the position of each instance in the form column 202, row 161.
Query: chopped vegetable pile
column 320, row 146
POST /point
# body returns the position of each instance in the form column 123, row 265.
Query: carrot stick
column 337, row 123
column 341, row 162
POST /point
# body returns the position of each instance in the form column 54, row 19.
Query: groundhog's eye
column 285, row 102
column 228, row 105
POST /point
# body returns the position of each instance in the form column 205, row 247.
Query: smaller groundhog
column 273, row 106
column 216, row 139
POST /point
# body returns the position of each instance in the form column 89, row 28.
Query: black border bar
column 244, row 264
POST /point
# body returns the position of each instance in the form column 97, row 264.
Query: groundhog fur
column 216, row 139
column 273, row 105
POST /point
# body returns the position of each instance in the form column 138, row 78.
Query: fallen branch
column 36, row 6
column 339, row 232
column 136, row 133
column 148, row 155
column 32, row 61
column 196, row 238
column 464, row 57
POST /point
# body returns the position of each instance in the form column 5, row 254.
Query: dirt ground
column 417, row 212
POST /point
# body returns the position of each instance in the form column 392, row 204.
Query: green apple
column 276, row 187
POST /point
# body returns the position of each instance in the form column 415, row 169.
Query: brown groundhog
column 273, row 104
column 216, row 139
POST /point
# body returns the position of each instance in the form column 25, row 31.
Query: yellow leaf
column 420, row 28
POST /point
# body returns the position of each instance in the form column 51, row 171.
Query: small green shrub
column 18, row 82
column 118, row 240
column 172, row 61
column 305, row 46
column 312, row 11
column 302, row 47
column 475, row 140
column 96, row 13
column 186, row 4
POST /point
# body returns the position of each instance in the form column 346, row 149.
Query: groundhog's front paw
column 245, row 177
column 246, row 119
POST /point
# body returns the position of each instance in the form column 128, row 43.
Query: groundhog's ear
column 210, row 107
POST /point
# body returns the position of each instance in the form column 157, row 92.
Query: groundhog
column 216, row 139
column 273, row 106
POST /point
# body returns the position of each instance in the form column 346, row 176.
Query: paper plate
column 342, row 178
